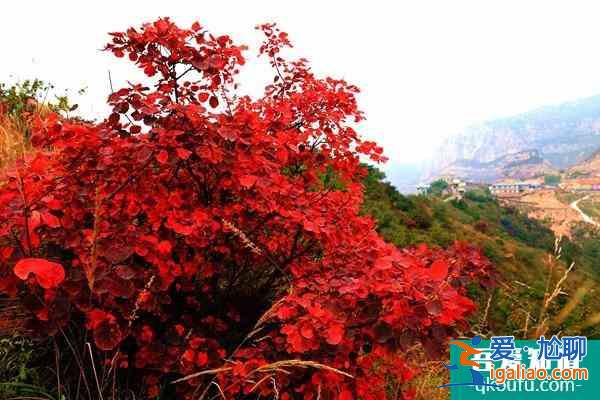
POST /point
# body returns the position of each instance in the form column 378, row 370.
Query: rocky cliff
column 522, row 165
column 561, row 136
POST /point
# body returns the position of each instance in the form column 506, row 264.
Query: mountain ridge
column 563, row 135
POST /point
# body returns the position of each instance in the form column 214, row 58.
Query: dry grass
column 539, row 319
column 546, row 317
column 431, row 375
column 14, row 135
column 266, row 373
column 551, row 318
column 13, row 141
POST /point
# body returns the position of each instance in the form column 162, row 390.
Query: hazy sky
column 427, row 68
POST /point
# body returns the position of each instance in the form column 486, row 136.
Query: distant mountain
column 522, row 165
column 553, row 137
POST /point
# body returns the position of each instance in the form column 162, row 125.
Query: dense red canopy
column 201, row 230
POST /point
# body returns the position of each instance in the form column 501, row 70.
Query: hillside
column 589, row 167
column 521, row 248
column 564, row 135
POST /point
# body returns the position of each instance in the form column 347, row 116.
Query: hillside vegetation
column 522, row 249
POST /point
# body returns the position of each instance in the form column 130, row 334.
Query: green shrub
column 479, row 195
column 552, row 180
column 437, row 188
column 16, row 356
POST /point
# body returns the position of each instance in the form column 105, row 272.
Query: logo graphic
column 468, row 351
column 500, row 368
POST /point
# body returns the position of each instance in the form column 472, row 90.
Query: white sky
column 427, row 68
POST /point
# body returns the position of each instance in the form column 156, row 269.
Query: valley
column 545, row 162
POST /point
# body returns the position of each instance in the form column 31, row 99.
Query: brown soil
column 544, row 205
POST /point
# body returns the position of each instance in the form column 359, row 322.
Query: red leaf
column 202, row 359
column 35, row 220
column 164, row 247
column 124, row 272
column 162, row 25
column 183, row 153
column 48, row 274
column 285, row 312
column 200, row 217
column 149, row 70
column 162, row 157
column 42, row 314
column 293, row 338
column 115, row 286
column 334, row 334
column 107, row 335
column 54, row 204
column 50, row 220
column 214, row 102
column 96, row 316
column 227, row 133
column 189, row 356
column 39, row 165
column 248, row 181
column 172, row 223
column 107, row 332
column 346, row 395
column 434, row 307
column 439, row 270
column 5, row 253
column 307, row 331
column 146, row 334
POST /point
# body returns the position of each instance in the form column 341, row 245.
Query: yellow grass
column 13, row 142
column 14, row 135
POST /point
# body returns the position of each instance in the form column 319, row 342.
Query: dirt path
column 586, row 218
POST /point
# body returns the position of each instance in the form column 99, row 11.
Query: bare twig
column 89, row 347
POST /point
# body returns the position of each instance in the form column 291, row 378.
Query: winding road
column 586, row 218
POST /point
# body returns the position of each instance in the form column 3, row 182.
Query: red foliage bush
column 199, row 231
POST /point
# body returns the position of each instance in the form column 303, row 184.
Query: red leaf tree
column 217, row 239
